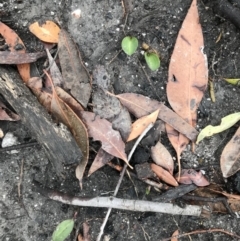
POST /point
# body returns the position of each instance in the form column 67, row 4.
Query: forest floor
column 98, row 34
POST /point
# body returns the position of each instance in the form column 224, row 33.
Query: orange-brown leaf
column 140, row 125
column 15, row 45
column 140, row 105
column 230, row 158
column 174, row 238
column 162, row 157
column 47, row 32
column 101, row 130
column 164, row 175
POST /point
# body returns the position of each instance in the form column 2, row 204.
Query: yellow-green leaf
column 152, row 60
column 129, row 45
column 227, row 122
column 63, row 230
column 233, row 81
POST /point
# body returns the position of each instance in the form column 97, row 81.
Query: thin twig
column 121, row 177
column 19, row 146
column 20, row 180
column 202, row 231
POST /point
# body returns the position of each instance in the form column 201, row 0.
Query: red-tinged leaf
column 74, row 73
column 7, row 57
column 189, row 176
column 101, row 159
column 162, row 157
column 6, row 114
column 174, row 238
column 47, row 32
column 101, row 130
column 54, row 70
column 140, row 125
column 140, row 105
column 15, row 45
column 230, row 158
column 188, row 75
column 164, row 175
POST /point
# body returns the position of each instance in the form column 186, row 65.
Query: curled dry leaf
column 188, row 75
column 140, row 105
column 230, row 158
column 162, row 157
column 15, row 44
column 189, row 176
column 140, row 125
column 74, row 73
column 6, row 114
column 174, row 238
column 101, row 130
column 227, row 122
column 47, row 32
column 164, row 175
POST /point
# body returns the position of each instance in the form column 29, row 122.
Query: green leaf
column 129, row 45
column 152, row 60
column 63, row 230
column 233, row 81
column 227, row 122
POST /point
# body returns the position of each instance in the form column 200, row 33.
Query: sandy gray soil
column 99, row 33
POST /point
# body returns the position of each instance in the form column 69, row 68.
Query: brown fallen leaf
column 75, row 76
column 174, row 238
column 101, row 129
column 162, row 157
column 86, row 235
column 15, row 44
column 6, row 114
column 187, row 76
column 140, row 105
column 7, row 57
column 164, row 175
column 47, row 32
column 140, row 125
column 189, row 176
column 230, row 158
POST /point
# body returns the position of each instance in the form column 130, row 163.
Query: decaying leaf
column 187, row 76
column 47, row 32
column 164, row 175
column 226, row 122
column 140, row 105
column 174, row 238
column 6, row 114
column 74, row 73
column 101, row 130
column 15, row 44
column 140, row 125
column 86, row 235
column 189, row 176
column 230, row 158
column 162, row 157
column 7, row 57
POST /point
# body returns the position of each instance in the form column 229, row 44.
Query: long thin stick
column 121, row 177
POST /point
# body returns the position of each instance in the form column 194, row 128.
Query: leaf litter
column 6, row 114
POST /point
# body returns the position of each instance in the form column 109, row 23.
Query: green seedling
column 129, row 45
column 152, row 60
column 63, row 230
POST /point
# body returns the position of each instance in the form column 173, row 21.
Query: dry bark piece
column 187, row 75
column 164, row 175
column 47, row 32
column 140, row 105
column 230, row 158
column 74, row 73
column 15, row 44
column 6, row 114
column 189, row 176
column 140, row 125
column 162, row 157
column 7, row 57
column 101, row 130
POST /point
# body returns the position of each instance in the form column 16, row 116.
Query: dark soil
column 98, row 34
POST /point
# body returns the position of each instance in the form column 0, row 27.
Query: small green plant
column 129, row 45
column 63, row 230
